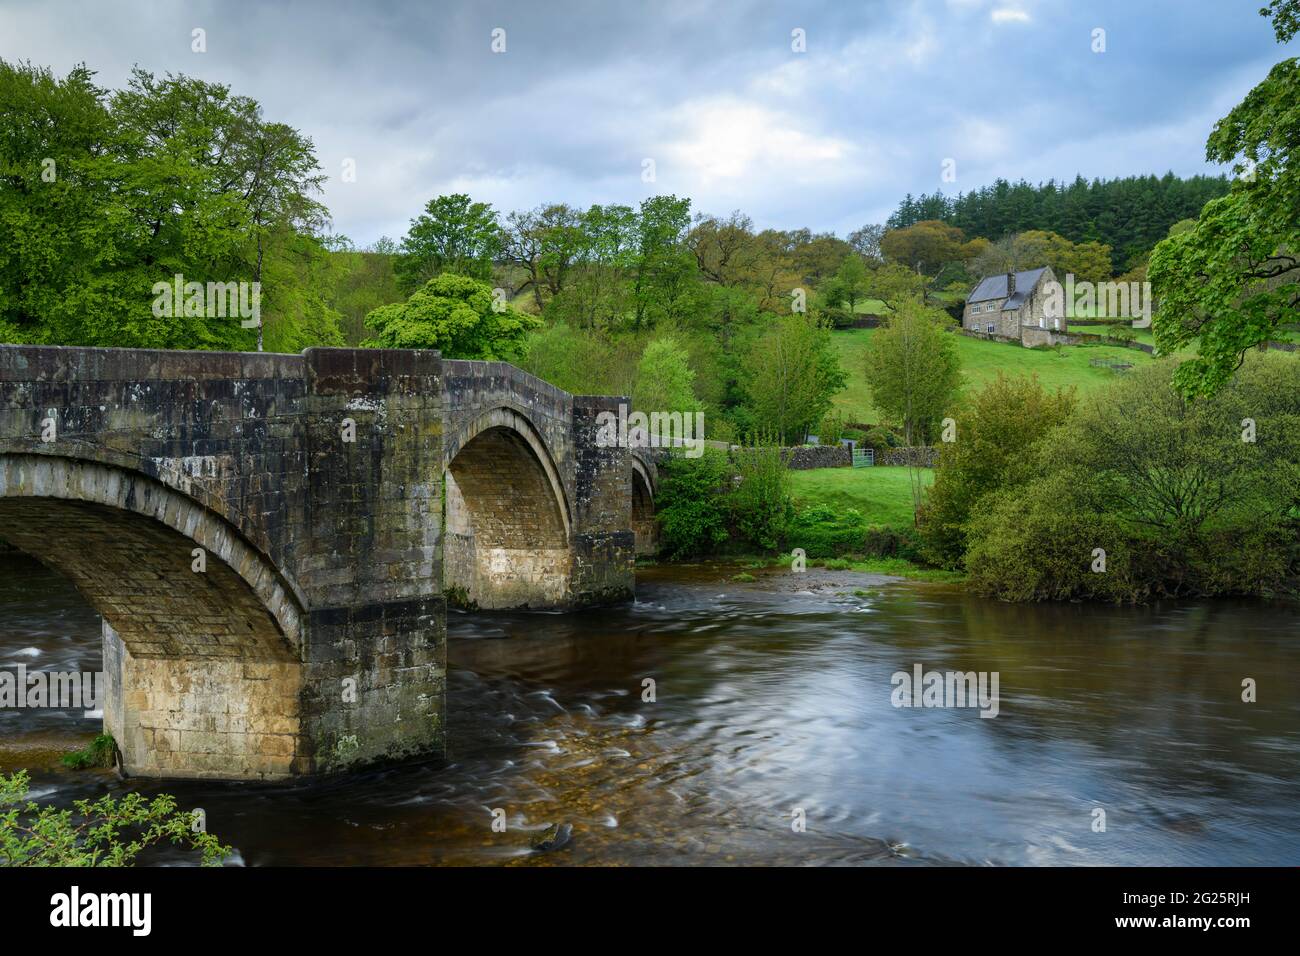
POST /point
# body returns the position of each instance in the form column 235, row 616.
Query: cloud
column 1009, row 15
column 734, row 118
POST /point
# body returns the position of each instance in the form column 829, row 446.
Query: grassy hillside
column 882, row 494
column 980, row 362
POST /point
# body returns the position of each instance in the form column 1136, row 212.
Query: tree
column 723, row 248
column 1130, row 215
column 1285, row 15
column 849, row 284
column 598, row 290
column 791, row 373
column 914, row 373
column 1086, row 261
column 895, row 284
column 1228, row 283
column 664, row 379
column 926, row 246
column 453, row 234
column 547, row 243
column 691, row 503
column 663, row 275
column 866, row 242
column 104, row 195
column 816, row 258
column 913, row 370
column 996, row 429
column 457, row 315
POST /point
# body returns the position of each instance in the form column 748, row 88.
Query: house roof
column 995, row 287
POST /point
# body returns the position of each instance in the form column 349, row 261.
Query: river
column 772, row 707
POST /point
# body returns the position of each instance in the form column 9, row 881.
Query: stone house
column 1012, row 306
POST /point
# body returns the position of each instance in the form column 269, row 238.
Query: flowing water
column 772, row 704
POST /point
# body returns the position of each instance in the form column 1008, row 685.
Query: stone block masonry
column 333, row 499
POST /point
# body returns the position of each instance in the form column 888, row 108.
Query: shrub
column 761, row 504
column 1168, row 488
column 692, row 504
column 881, row 437
column 103, row 832
column 990, row 456
column 824, row 533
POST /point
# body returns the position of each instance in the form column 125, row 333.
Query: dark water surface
column 770, row 697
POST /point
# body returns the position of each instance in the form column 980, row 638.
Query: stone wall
column 1034, row 337
column 803, row 457
column 924, row 455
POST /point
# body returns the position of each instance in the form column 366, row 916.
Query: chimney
column 1011, row 284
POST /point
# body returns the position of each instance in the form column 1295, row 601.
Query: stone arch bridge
column 271, row 540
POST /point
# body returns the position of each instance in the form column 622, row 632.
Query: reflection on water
column 771, row 697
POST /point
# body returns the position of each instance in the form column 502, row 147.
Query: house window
column 991, row 327
column 990, row 307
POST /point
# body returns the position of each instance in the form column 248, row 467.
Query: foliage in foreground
column 1233, row 279
column 103, row 832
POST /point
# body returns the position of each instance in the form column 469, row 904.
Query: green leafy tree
column 103, row 832
column 457, row 315
column 103, row 195
column 790, row 374
column 926, row 246
column 664, row 277
column 762, row 503
column 597, row 292
column 453, row 234
column 914, row 374
column 895, row 284
column 1229, row 282
column 913, row 370
column 581, row 361
column 848, row 286
column 691, row 504
column 665, row 381
column 995, row 430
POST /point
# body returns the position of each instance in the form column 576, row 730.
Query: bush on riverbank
column 1143, row 494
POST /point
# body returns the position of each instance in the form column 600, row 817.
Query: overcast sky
column 732, row 117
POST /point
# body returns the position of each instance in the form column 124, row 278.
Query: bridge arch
column 645, row 526
column 203, row 670
column 508, row 517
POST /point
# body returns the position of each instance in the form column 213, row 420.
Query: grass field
column 884, row 497
column 882, row 494
column 981, row 360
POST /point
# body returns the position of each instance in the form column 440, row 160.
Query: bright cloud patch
column 1009, row 15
